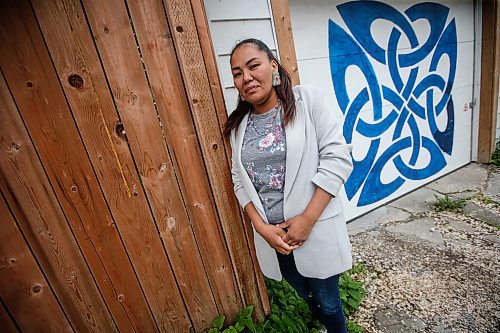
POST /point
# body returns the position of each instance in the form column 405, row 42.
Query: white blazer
column 316, row 155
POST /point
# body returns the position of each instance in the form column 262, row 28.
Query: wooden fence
column 117, row 211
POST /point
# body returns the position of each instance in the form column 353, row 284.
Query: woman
column 289, row 161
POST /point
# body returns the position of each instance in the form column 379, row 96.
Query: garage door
column 402, row 75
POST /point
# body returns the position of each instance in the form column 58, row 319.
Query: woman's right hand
column 274, row 237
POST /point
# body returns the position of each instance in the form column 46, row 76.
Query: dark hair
column 284, row 92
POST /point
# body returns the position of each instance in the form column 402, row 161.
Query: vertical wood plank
column 220, row 107
column 6, row 323
column 490, row 73
column 85, row 86
column 23, row 288
column 284, row 35
column 157, row 48
column 114, row 36
column 197, row 85
column 30, row 197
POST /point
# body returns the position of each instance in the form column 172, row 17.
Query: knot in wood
column 36, row 288
column 133, row 98
column 76, row 81
column 29, row 84
column 120, row 130
column 170, row 223
column 179, row 28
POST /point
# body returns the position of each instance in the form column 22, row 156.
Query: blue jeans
column 322, row 295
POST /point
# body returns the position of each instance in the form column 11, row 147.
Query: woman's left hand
column 299, row 228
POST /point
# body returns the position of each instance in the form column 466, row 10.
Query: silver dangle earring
column 276, row 79
column 241, row 97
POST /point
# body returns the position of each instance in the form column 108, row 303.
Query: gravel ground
column 434, row 272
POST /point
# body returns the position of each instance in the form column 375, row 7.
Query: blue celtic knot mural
column 410, row 94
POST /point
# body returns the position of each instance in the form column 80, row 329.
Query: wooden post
column 284, row 35
column 490, row 69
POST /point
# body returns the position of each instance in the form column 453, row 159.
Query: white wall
column 231, row 21
column 310, row 25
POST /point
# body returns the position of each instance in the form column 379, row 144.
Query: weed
column 484, row 199
column 495, row 157
column 290, row 313
column 448, row 204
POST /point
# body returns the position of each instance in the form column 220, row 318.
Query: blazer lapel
column 295, row 134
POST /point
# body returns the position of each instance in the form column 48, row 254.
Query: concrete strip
column 493, row 187
column 468, row 178
column 376, row 219
column 418, row 201
column 420, row 228
column 461, row 226
column 481, row 213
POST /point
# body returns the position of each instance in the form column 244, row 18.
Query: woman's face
column 252, row 75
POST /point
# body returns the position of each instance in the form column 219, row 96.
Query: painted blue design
column 410, row 97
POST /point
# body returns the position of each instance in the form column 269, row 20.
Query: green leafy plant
column 448, row 204
column 290, row 313
column 351, row 293
column 495, row 157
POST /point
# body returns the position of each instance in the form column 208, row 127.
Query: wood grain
column 117, row 183
column 155, row 158
column 218, row 97
column 187, row 43
column 36, row 208
column 157, row 48
column 23, row 288
column 6, row 323
column 100, row 127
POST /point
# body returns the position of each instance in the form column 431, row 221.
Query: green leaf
column 219, row 322
column 248, row 311
column 353, row 303
column 352, row 327
column 355, row 285
column 274, row 318
column 355, row 294
column 239, row 326
column 230, row 329
column 347, row 312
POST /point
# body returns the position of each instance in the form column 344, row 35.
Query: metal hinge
column 472, row 104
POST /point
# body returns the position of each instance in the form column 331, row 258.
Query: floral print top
column 264, row 156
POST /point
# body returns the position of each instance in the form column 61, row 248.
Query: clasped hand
column 298, row 229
